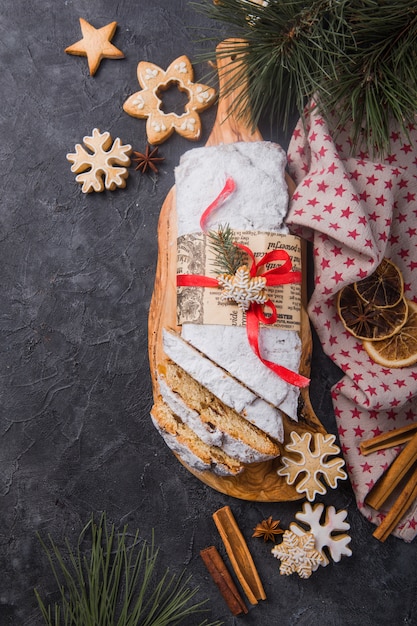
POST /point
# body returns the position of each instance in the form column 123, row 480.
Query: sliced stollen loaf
column 190, row 448
column 211, row 420
column 278, row 346
column 226, row 388
column 259, row 202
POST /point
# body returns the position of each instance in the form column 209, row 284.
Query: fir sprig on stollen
column 228, row 257
column 356, row 58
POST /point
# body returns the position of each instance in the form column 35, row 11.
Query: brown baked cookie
column 95, row 45
column 147, row 103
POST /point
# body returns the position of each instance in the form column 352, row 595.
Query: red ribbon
column 228, row 189
column 255, row 315
column 282, row 275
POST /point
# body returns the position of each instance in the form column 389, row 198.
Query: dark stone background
column 76, row 281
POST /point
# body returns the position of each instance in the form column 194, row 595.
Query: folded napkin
column 356, row 211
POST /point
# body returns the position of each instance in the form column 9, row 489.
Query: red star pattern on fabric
column 355, row 211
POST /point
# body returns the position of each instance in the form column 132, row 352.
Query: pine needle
column 110, row 581
column 357, row 59
column 228, row 257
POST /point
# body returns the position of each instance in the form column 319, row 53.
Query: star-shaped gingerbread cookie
column 147, row 103
column 95, row 45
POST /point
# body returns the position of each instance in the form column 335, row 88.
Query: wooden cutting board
column 259, row 481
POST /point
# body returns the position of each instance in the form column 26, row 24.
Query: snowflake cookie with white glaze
column 305, row 462
column 243, row 288
column 329, row 533
column 297, row 553
column 105, row 166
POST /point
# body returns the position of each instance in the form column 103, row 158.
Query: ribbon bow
column 282, row 275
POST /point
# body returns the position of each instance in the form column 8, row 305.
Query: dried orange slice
column 367, row 321
column 400, row 350
column 384, row 287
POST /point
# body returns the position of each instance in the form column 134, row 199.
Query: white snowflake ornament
column 309, row 463
column 100, row 168
column 328, row 534
column 297, row 553
column 242, row 288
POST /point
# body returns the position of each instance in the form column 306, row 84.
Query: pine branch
column 356, row 58
column 112, row 582
column 228, row 256
column 378, row 80
column 290, row 44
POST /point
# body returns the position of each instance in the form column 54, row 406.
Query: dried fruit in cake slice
column 384, row 287
column 225, row 387
column 365, row 320
column 399, row 350
column 214, row 422
column 190, row 448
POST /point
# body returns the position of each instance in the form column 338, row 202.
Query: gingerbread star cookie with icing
column 95, row 45
column 147, row 103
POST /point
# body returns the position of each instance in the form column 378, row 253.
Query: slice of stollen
column 226, row 388
column 190, row 448
column 215, row 423
column 209, row 434
column 278, row 346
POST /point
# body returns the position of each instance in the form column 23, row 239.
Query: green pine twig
column 108, row 580
column 356, row 59
column 228, row 257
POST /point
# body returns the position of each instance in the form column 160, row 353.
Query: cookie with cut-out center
column 147, row 103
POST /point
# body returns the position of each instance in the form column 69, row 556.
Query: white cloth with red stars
column 355, row 211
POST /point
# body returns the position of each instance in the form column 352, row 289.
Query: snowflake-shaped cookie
column 97, row 169
column 297, row 553
column 311, row 463
column 146, row 104
column 329, row 534
column 242, row 288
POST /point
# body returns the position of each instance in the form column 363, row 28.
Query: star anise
column 147, row 159
column 267, row 529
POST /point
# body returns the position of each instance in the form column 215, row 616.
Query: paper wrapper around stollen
column 259, row 481
column 356, row 211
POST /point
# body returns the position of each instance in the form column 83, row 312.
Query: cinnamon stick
column 239, row 555
column 222, row 578
column 388, row 439
column 399, row 508
column 394, row 475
